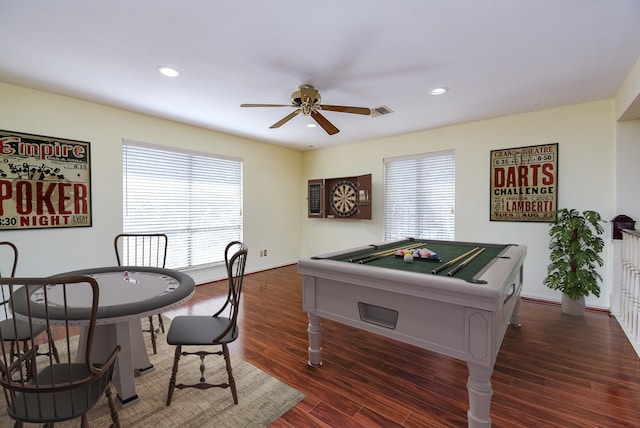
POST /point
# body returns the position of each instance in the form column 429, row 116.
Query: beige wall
column 272, row 176
column 586, row 137
column 597, row 170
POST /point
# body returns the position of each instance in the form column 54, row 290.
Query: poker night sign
column 45, row 182
column 524, row 183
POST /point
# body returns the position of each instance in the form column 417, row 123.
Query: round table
column 127, row 294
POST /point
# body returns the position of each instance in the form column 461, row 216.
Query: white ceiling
column 498, row 57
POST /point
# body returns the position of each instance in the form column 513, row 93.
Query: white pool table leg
column 480, row 392
column 315, row 340
column 515, row 316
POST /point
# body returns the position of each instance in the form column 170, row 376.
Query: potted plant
column 575, row 251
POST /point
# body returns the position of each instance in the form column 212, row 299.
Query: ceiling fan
column 307, row 101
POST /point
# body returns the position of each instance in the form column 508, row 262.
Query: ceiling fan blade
column 322, row 121
column 286, row 119
column 346, row 109
column 267, row 105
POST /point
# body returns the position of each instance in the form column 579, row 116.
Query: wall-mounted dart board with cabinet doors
column 342, row 197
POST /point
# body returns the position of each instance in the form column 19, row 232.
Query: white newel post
column 629, row 298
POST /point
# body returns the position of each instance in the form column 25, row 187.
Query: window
column 419, row 196
column 196, row 199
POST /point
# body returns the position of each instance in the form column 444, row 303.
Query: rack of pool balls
column 417, row 253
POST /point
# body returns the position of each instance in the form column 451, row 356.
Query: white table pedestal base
column 133, row 358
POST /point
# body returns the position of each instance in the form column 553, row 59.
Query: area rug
column 261, row 398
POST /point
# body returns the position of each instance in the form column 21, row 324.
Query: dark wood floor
column 555, row 371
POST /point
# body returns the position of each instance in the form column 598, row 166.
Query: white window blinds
column 419, row 196
column 195, row 199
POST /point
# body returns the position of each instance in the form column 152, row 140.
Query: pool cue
column 454, row 261
column 463, row 264
column 386, row 253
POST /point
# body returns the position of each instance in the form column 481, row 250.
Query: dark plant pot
column 572, row 307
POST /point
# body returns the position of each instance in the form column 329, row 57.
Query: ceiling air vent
column 379, row 111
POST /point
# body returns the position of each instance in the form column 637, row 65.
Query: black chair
column 58, row 390
column 143, row 249
column 219, row 329
column 21, row 334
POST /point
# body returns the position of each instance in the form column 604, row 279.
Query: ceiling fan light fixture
column 439, row 91
column 311, row 125
column 307, row 102
column 168, row 71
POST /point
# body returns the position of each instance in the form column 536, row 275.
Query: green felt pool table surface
column 446, row 251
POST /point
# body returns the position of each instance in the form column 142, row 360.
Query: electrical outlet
column 265, row 253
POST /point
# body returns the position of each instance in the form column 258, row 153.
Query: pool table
column 463, row 314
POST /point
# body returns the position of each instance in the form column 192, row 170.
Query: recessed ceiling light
column 168, row 71
column 311, row 125
column 439, row 91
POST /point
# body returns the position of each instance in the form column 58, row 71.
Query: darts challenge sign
column 45, row 182
column 524, row 183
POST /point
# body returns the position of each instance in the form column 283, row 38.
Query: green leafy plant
column 575, row 250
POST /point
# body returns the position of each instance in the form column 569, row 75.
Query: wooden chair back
column 39, row 388
column 8, row 264
column 141, row 249
column 235, row 258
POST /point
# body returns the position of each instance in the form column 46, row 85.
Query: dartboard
column 343, row 198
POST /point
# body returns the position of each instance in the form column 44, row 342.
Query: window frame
column 200, row 191
column 409, row 177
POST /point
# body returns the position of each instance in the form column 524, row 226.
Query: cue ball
column 408, row 258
